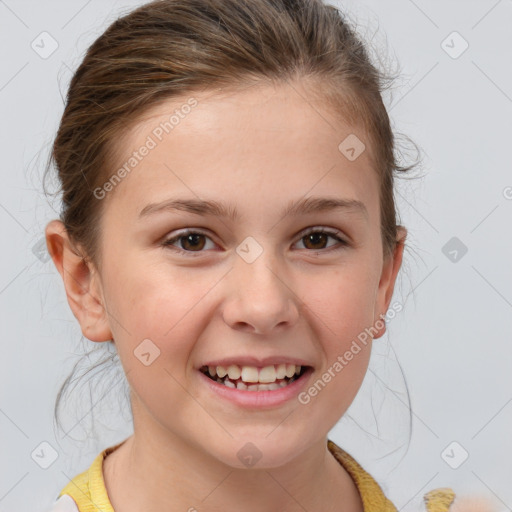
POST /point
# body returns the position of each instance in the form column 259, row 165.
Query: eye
column 318, row 237
column 192, row 241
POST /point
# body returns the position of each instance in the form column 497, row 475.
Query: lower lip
column 259, row 399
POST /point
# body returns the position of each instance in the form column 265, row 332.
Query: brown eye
column 189, row 241
column 317, row 239
column 192, row 242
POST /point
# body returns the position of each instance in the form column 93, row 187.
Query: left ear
column 390, row 269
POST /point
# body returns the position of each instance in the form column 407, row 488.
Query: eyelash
column 333, row 234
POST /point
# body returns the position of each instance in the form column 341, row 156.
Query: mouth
column 252, row 378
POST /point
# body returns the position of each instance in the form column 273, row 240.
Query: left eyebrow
column 305, row 206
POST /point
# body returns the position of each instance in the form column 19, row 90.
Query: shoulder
column 373, row 497
column 86, row 492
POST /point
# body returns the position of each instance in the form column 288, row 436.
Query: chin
column 253, row 452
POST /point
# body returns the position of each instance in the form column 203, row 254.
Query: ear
column 81, row 282
column 390, row 269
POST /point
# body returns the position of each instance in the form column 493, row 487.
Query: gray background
column 453, row 338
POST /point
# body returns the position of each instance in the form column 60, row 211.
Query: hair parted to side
column 174, row 48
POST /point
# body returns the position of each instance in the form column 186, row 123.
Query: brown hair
column 172, row 48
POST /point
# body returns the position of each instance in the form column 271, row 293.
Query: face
column 273, row 279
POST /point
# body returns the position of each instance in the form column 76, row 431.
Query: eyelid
column 320, row 229
column 332, row 232
column 167, row 242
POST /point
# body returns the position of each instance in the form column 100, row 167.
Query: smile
column 252, row 378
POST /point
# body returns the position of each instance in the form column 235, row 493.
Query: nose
column 260, row 298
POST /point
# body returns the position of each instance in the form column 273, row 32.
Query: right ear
column 81, row 282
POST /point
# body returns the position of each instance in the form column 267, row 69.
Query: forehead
column 258, row 145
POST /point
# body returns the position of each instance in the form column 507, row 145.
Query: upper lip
column 255, row 361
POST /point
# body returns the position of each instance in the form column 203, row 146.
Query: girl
column 228, row 224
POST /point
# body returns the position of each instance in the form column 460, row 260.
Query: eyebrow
column 305, row 206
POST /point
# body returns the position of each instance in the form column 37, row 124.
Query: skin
column 296, row 299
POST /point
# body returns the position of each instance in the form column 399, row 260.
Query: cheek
column 165, row 306
column 342, row 311
column 156, row 302
column 343, row 301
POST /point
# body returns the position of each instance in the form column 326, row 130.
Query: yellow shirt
column 89, row 494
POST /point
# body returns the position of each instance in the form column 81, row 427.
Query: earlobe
column 81, row 283
column 387, row 282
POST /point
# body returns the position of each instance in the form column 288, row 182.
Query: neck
column 154, row 471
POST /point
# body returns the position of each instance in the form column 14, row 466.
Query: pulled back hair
column 175, row 48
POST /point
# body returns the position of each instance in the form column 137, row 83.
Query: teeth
column 234, row 372
column 281, row 371
column 249, row 374
column 253, row 375
column 221, row 371
column 268, row 374
column 290, row 370
column 254, row 387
